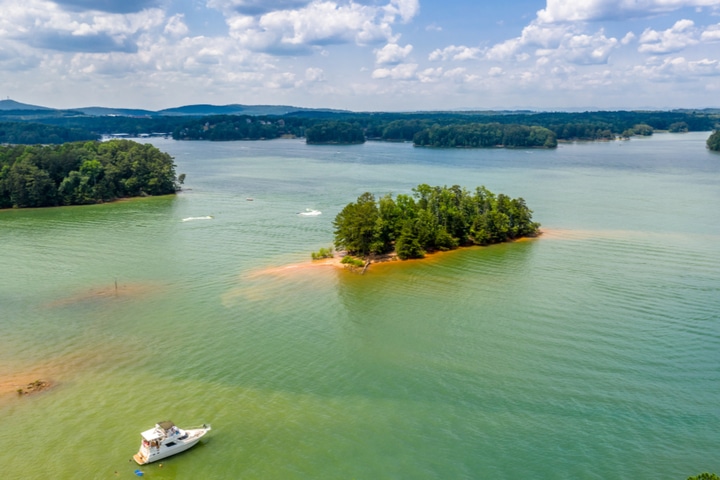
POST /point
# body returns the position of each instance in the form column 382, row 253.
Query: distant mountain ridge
column 13, row 105
column 199, row 110
column 8, row 107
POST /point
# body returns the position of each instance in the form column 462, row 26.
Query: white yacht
column 166, row 439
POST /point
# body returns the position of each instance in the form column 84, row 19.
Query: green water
column 590, row 352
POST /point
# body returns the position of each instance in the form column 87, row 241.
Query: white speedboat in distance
column 310, row 213
column 166, row 439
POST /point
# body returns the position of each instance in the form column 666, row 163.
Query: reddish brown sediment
column 107, row 293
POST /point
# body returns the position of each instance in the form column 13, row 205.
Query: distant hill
column 199, row 110
column 120, row 112
column 13, row 105
column 237, row 109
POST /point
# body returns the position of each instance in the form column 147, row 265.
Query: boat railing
column 204, row 426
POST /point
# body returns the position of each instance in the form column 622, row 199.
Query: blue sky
column 363, row 55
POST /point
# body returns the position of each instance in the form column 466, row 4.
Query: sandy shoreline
column 336, row 260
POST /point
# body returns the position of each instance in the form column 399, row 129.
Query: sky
column 362, row 55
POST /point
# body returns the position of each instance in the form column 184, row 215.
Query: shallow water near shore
column 592, row 351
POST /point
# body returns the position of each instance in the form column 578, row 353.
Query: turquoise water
column 590, row 352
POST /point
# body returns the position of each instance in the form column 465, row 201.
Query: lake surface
column 590, row 352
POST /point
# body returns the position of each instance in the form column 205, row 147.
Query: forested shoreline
column 82, row 173
column 713, row 142
column 17, row 133
column 485, row 135
column 348, row 127
column 431, row 219
column 343, row 133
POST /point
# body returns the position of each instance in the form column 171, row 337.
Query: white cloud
column 455, row 52
column 283, row 80
column 460, row 75
column 430, row 75
column 313, row 24
column 679, row 69
column 711, row 34
column 495, row 72
column 562, row 43
column 587, row 49
column 392, row 54
column 45, row 26
column 404, row 71
column 678, row 37
column 628, row 38
column 558, row 11
column 314, row 75
column 175, row 26
column 533, row 35
column 406, row 9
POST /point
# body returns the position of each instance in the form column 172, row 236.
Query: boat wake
column 310, row 213
column 190, row 219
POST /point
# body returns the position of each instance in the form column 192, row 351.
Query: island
column 335, row 133
column 82, row 173
column 476, row 135
column 713, row 141
column 431, row 219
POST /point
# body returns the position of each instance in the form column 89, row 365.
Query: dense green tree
column 434, row 218
column 678, row 127
column 356, row 226
column 485, row 135
column 407, row 244
column 704, row 476
column 643, row 129
column 229, row 127
column 335, row 133
column 713, row 141
column 36, row 133
column 82, row 173
column 24, row 185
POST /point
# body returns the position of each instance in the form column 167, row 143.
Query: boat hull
column 152, row 454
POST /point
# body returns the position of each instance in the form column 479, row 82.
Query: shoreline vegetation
column 432, row 219
column 83, row 173
column 470, row 129
column 713, row 142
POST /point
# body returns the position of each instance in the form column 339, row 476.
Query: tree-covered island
column 431, row 219
column 476, row 135
column 335, row 133
column 83, row 173
column 713, row 141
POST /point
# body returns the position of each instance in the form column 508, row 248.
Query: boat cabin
column 164, row 433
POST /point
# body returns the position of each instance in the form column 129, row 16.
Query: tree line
column 229, row 127
column 335, row 133
column 485, row 135
column 566, row 126
column 431, row 219
column 35, row 133
column 83, row 173
column 713, row 141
